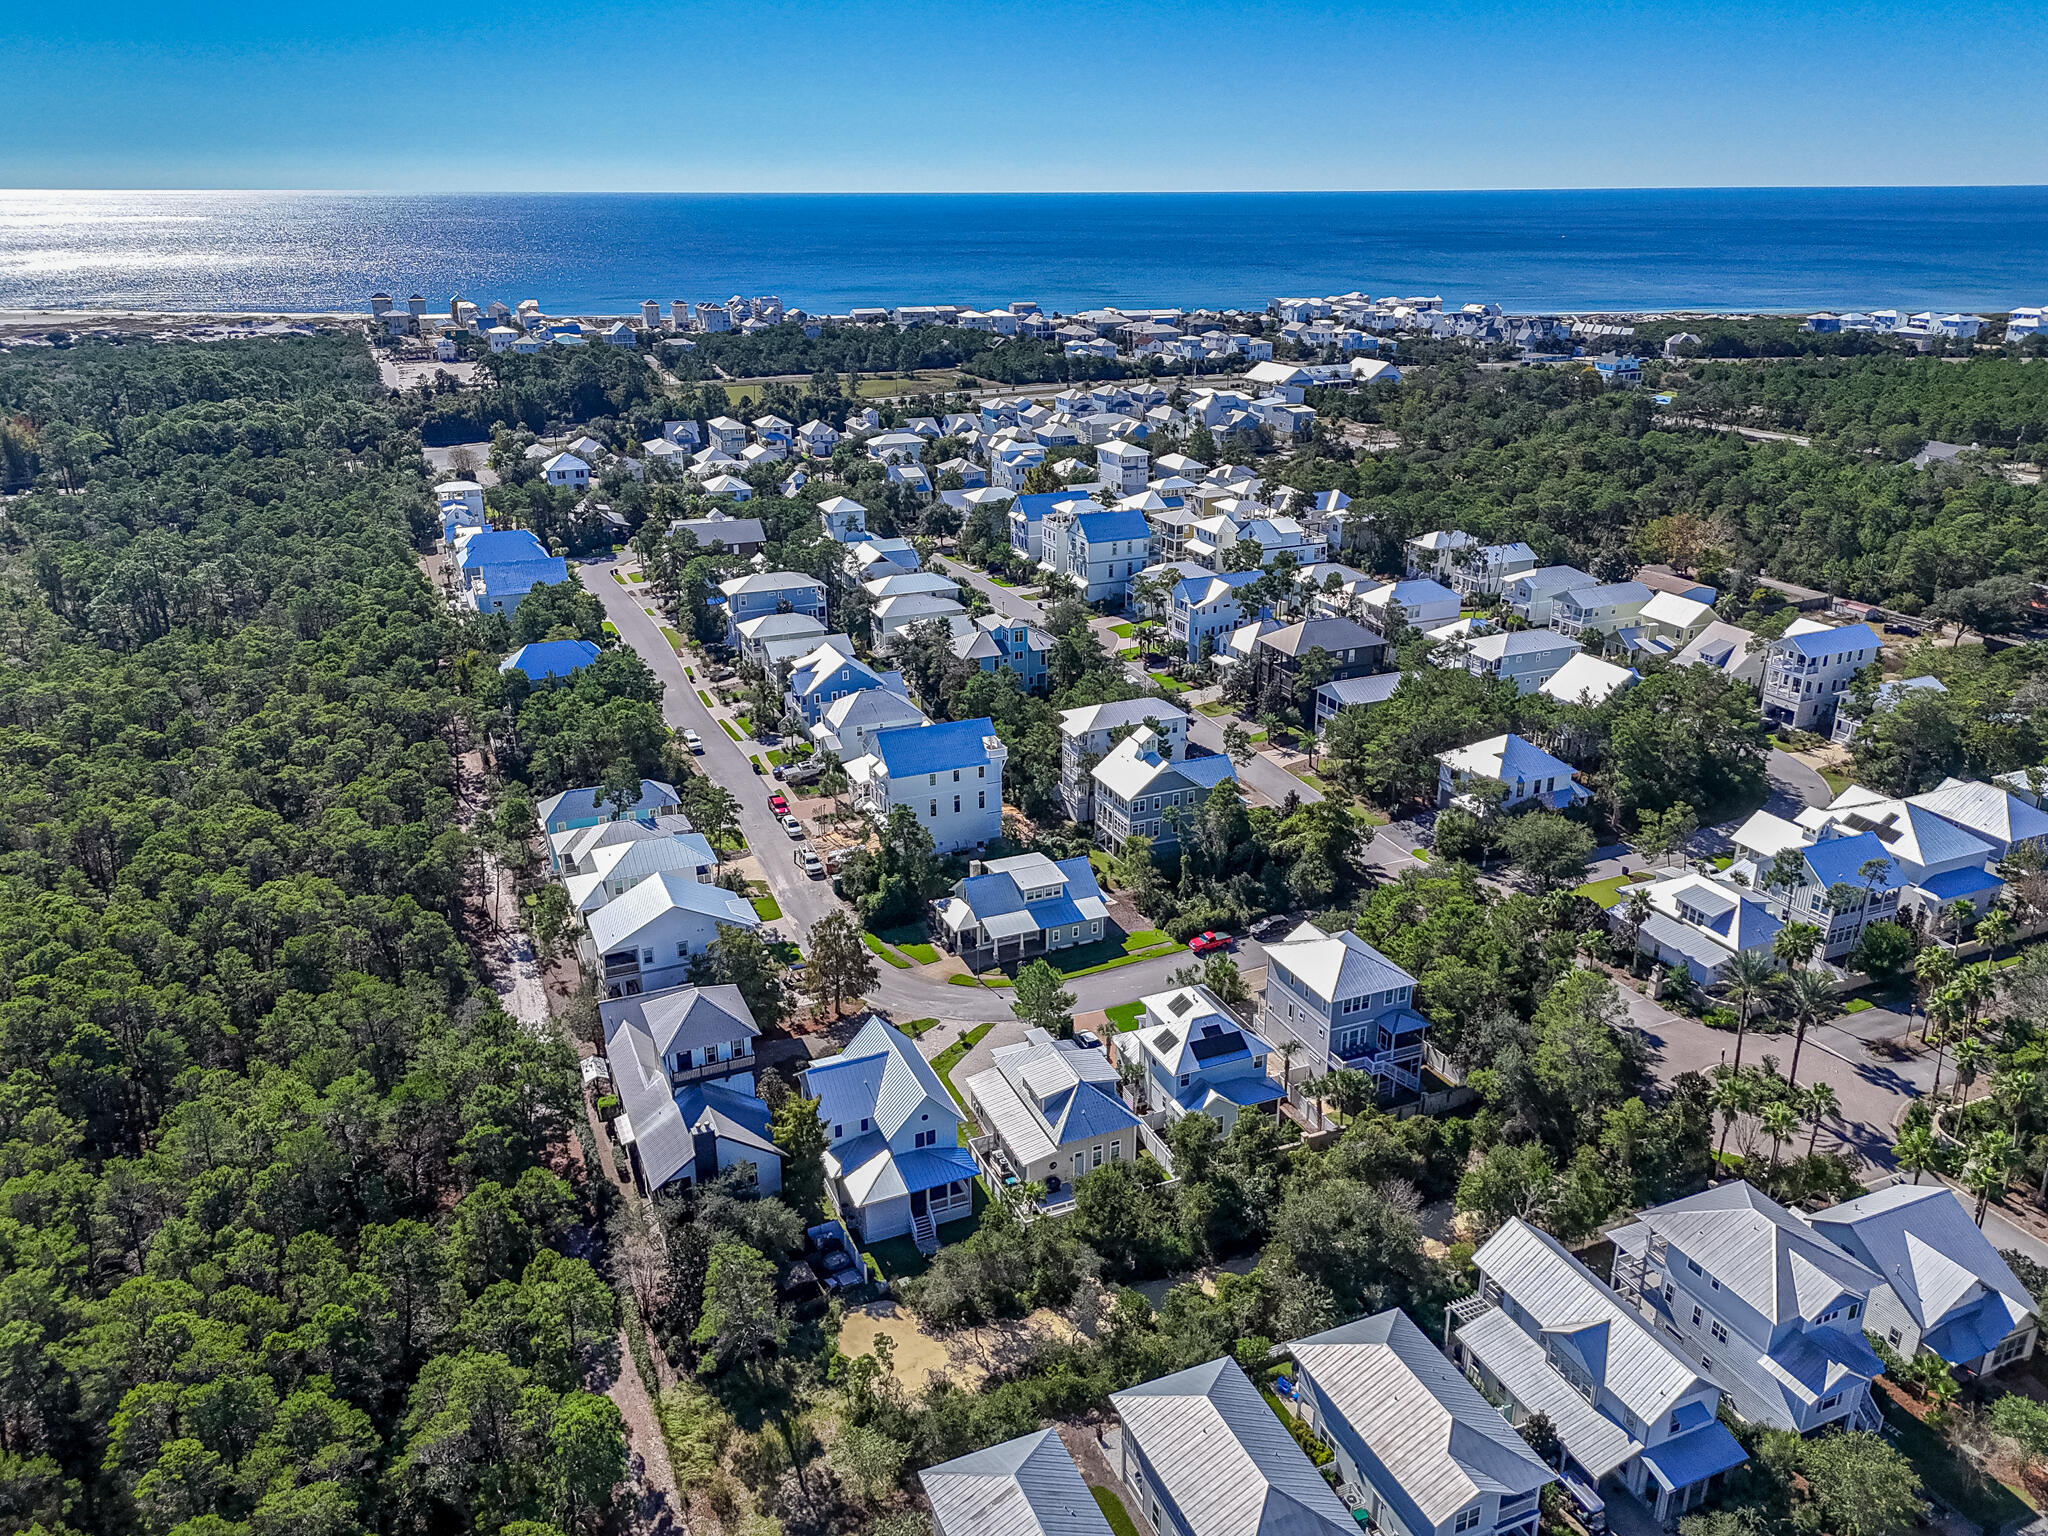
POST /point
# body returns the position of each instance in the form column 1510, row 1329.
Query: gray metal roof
column 682, row 1018
column 1923, row 1242
column 1225, row 1459
column 1441, row 1442
column 1518, row 1363
column 879, row 1076
column 1759, row 1250
column 1023, row 1487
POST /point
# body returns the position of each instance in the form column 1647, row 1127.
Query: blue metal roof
column 1954, row 884
column 1107, row 527
column 934, row 748
column 550, row 658
column 1835, row 861
column 1035, row 507
column 1832, row 642
column 500, row 546
column 1694, row 1456
column 522, row 576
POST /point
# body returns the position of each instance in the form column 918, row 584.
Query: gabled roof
column 542, row 659
column 880, row 1077
column 1609, row 594
column 1331, row 634
column 1195, row 1032
column 682, row 1018
column 1587, row 680
column 1068, row 1091
column 499, row 546
column 1441, row 1443
column 626, row 916
column 591, row 800
column 663, row 1121
column 1818, row 644
column 1559, row 1292
column 1108, row 717
column 1836, row 860
column 1136, row 766
column 1225, row 1460
column 1417, row 592
column 1922, row 1241
column 1336, row 965
column 1984, row 809
column 769, row 581
column 1725, row 647
column 1024, row 1487
column 1760, row 1251
column 935, row 748
column 828, row 667
column 1109, row 527
column 1509, row 759
column 1911, row 834
column 1520, row 642
column 1551, row 579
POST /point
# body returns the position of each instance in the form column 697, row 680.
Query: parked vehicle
column 694, row 742
column 809, row 771
column 1204, row 943
column 833, row 1258
column 807, row 860
column 792, row 826
column 777, row 802
column 1268, row 927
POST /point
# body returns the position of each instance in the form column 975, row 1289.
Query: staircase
column 924, row 1233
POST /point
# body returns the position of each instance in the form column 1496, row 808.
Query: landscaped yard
column 916, row 1027
column 1837, row 780
column 977, row 981
column 766, row 909
column 1171, row 684
column 954, row 1054
column 1000, row 581
column 898, row 1256
column 1113, row 1511
column 675, row 641
column 1108, row 954
column 1606, row 893
column 1858, row 1005
column 1121, row 631
column 1213, row 708
column 735, row 735
column 910, row 938
column 1124, row 1016
column 885, row 952
column 610, row 628
column 705, row 697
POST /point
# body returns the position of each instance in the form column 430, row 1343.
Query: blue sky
column 1132, row 95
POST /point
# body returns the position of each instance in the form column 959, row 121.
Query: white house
column 1703, row 923
column 1416, row 1447
column 1587, row 680
column 610, row 869
column 754, row 636
column 1123, row 466
column 727, row 436
column 1773, row 1311
column 892, row 1163
column 1602, row 609
column 1345, row 1004
column 566, row 469
column 845, row 520
column 1421, row 602
column 644, row 940
column 892, row 615
column 1945, row 1287
column 1888, row 697
column 950, row 775
column 1729, row 649
column 848, row 726
column 1988, row 811
column 1099, row 551
column 1484, row 571
column 1933, row 860
column 1543, row 1335
column 1205, row 608
column 1195, row 1058
column 1431, row 554
column 1051, row 1113
column 1530, row 775
column 816, row 439
column 1808, row 670
column 682, row 1067
column 1203, row 1455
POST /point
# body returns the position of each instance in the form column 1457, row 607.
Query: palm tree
column 1915, row 1150
column 1794, row 944
column 1991, row 1158
column 1958, row 914
column 2012, row 1089
column 1780, row 1119
column 1999, row 927
column 1971, row 1054
column 1817, row 1101
column 1636, row 911
column 1223, row 979
column 1933, row 969
column 1747, row 980
column 1733, row 1092
column 1809, row 998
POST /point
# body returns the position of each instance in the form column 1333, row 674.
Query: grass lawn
column 885, row 952
column 1000, row 581
column 766, row 909
column 705, row 697
column 1858, row 1005
column 1951, row 1477
column 1837, row 781
column 910, row 938
column 636, row 576
column 745, row 723
column 1121, row 631
column 954, row 1054
column 610, row 628
column 1213, row 708
column 916, row 1027
column 923, row 954
column 1311, row 780
column 620, row 578
column 675, row 641
column 742, row 394
column 977, row 981
column 1605, row 893
column 1113, row 1511
column 735, row 735
column 1171, row 684
column 1125, row 1016
column 1723, row 860
column 881, row 389
column 775, row 758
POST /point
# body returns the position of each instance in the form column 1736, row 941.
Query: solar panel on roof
column 1216, row 1041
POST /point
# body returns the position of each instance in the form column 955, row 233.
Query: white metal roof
column 1024, row 1487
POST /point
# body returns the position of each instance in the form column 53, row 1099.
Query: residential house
column 1848, row 723
column 1203, row 609
column 1087, row 734
column 566, row 469
column 1026, row 519
column 1009, row 463
column 1624, row 371
column 848, row 726
column 1587, row 680
column 497, row 568
column 755, row 636
column 544, row 660
column 824, row 677
column 1346, row 1004
column 1668, row 623
column 1484, row 571
column 1605, row 609
column 1532, row 596
column 1772, row 1311
column 592, row 806
column 816, row 440
column 468, row 493
column 1124, row 466
column 1933, row 861
column 1701, row 922
column 1350, row 649
column 644, row 940
column 1844, row 883
column 1354, row 693
column 845, row 520
column 1141, row 791
column 1544, row 1335
column 1415, row 1445
column 892, row 615
column 605, row 869
column 765, row 592
column 728, row 487
column 950, row 775
column 1729, row 649
column 1946, row 1289
column 1023, row 1487
column 1051, row 1114
column 2006, row 821
column 1432, row 554
column 1195, row 1058
column 893, row 1166
column 995, row 641
column 1018, row 908
column 1420, row 602
column 735, row 535
column 1526, row 657
column 1203, row 1455
column 726, row 435
column 1808, row 670
column 1531, row 776
column 1099, row 551
column 682, row 1067
column 872, row 559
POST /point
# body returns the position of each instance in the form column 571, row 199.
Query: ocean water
column 1722, row 249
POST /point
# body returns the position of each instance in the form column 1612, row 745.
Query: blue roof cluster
column 1835, row 860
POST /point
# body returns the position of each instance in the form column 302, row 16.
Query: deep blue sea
column 1771, row 249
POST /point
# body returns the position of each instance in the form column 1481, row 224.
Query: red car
column 1202, row 943
column 779, row 804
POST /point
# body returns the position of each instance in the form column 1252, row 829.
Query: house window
column 647, row 956
column 1693, row 1265
column 1833, row 1400
column 2010, row 1350
column 935, row 808
column 1116, row 1151
column 863, row 1127
column 838, row 1131
column 1893, row 1339
column 1695, row 1317
column 981, row 801
column 1095, row 1156
column 1674, row 1425
column 1720, row 1333
column 1467, row 1519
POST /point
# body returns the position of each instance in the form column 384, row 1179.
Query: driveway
column 1794, row 785
column 1005, row 600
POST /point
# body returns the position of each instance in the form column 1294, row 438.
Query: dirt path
column 656, row 1504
